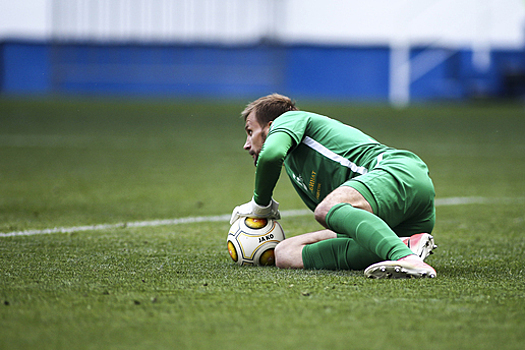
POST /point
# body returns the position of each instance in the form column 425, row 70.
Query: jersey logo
column 299, row 181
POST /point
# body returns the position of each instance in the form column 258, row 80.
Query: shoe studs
column 395, row 271
column 427, row 275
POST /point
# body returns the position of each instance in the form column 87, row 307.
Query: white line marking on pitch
column 217, row 218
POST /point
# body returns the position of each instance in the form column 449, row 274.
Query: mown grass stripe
column 216, row 218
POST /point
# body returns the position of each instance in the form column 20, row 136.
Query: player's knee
column 320, row 213
column 280, row 255
column 287, row 256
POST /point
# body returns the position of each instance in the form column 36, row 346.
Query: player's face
column 255, row 136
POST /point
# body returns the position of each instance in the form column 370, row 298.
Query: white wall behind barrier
column 440, row 22
column 164, row 20
column 25, row 19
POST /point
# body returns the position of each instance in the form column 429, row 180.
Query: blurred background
column 395, row 51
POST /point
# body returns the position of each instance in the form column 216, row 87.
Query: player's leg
column 325, row 255
column 340, row 253
column 407, row 205
column 322, row 250
column 421, row 244
column 347, row 212
column 288, row 253
column 370, row 231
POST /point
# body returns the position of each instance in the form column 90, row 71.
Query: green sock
column 368, row 230
column 338, row 254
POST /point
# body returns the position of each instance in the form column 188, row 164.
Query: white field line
column 217, row 218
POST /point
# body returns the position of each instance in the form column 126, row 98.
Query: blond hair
column 268, row 108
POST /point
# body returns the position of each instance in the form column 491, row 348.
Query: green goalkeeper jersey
column 319, row 154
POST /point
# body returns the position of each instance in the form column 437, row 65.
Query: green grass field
column 81, row 162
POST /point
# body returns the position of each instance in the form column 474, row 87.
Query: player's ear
column 266, row 129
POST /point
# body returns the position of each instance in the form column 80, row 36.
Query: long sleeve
column 269, row 164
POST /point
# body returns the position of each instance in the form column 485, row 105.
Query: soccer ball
column 251, row 241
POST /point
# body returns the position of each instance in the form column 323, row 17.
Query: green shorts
column 400, row 192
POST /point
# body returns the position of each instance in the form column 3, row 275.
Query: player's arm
column 269, row 164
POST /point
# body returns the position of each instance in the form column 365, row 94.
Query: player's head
column 258, row 116
column 267, row 108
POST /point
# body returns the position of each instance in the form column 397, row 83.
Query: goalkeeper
column 365, row 194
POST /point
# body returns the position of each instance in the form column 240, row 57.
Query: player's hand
column 254, row 210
